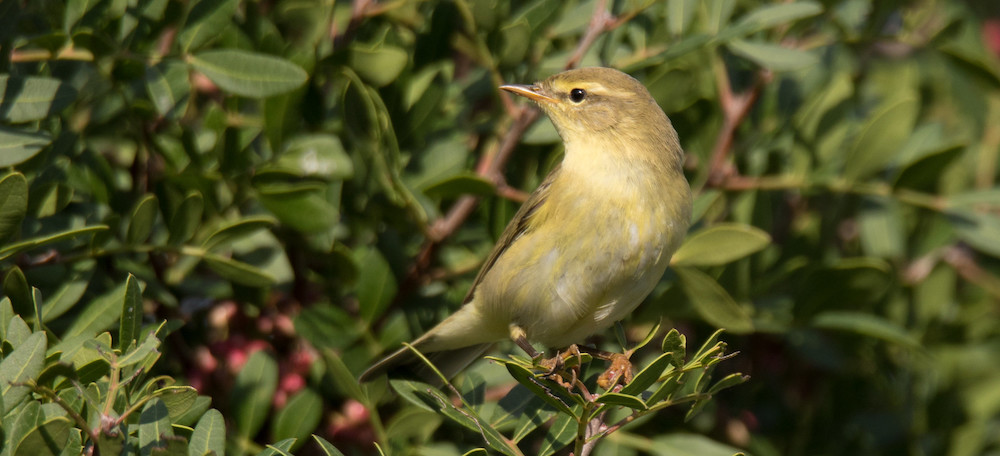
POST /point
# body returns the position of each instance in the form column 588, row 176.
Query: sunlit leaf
column 720, row 244
column 252, row 393
column 249, row 74
column 772, row 56
column 13, row 204
column 25, row 99
column 712, row 301
column 17, row 146
column 209, row 434
column 865, row 324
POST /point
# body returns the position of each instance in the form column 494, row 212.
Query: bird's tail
column 404, row 363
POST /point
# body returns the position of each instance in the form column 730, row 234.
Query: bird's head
column 594, row 100
column 604, row 108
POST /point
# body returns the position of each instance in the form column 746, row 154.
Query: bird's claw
column 618, row 373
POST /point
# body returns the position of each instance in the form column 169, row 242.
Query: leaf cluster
column 295, row 187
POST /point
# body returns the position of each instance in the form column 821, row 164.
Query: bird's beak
column 532, row 92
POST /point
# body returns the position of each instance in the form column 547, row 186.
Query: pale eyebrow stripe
column 590, row 87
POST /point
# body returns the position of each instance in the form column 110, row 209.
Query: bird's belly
column 561, row 292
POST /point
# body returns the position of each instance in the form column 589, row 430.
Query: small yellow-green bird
column 589, row 244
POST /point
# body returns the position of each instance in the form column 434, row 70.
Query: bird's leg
column 520, row 338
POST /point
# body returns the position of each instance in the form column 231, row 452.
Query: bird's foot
column 618, row 373
column 562, row 364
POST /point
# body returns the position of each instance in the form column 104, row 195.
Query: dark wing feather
column 515, row 229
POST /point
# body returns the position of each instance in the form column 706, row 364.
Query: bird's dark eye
column 577, row 95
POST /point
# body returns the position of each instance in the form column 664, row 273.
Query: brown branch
column 600, row 21
column 735, row 108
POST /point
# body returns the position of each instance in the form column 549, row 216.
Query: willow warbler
column 590, row 243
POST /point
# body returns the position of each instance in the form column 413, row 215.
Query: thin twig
column 735, row 108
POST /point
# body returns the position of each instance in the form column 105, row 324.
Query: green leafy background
column 214, row 214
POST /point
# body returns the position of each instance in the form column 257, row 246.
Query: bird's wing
column 517, row 227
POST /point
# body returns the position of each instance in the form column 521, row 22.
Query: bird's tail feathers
column 404, row 363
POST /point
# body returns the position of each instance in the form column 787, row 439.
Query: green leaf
column 154, row 426
column 691, row 445
column 624, row 400
column 343, row 378
column 102, row 312
column 461, row 184
column 648, row 375
column 675, row 343
column 70, row 290
column 650, row 335
column 525, row 409
column 111, row 444
column 131, row 319
column 299, row 417
column 142, row 220
column 17, row 331
column 46, row 438
column 720, row 244
column 319, row 155
column 177, row 399
column 303, row 207
column 209, row 435
column 194, row 413
column 15, row 286
column 187, row 218
column 839, row 88
column 378, row 65
column 27, row 99
column 865, row 324
column 981, row 230
column 772, row 56
column 425, row 396
column 76, row 10
column 728, row 381
column 17, row 146
column 238, row 271
column 13, row 204
column 712, row 302
column 516, row 41
column 54, row 371
column 205, row 22
column 412, row 391
column 249, row 74
column 538, row 386
column 29, row 244
column 21, row 365
column 252, row 393
column 971, row 199
column 885, row 131
column 679, row 15
column 880, row 222
column 326, row 447
column 139, row 353
column 282, row 448
column 562, row 433
column 231, row 232
column 6, row 316
column 376, row 283
column 775, row 14
column 169, row 88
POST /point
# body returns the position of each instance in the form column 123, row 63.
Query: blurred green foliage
column 257, row 198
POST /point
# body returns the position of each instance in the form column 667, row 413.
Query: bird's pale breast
column 602, row 248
